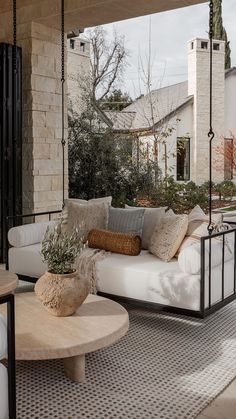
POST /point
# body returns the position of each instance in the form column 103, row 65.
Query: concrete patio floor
column 224, row 406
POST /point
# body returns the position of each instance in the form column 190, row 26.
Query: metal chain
column 211, row 134
column 63, row 142
column 14, row 33
column 15, row 133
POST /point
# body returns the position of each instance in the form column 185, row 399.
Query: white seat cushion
column 143, row 277
column 147, row 278
column 27, row 261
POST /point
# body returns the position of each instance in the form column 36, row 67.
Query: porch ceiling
column 86, row 13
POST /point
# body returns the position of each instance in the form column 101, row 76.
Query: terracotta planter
column 61, row 295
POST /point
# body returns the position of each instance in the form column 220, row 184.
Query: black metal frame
column 10, row 301
column 10, row 134
column 224, row 300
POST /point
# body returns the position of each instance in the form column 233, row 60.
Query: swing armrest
column 24, row 228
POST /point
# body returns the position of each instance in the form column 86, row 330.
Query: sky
column 170, row 32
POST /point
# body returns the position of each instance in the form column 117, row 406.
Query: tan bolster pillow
column 124, row 243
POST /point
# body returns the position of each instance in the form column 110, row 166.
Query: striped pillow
column 126, row 221
column 197, row 229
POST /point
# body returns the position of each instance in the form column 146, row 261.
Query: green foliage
column 167, row 193
column 206, row 185
column 219, row 31
column 181, row 197
column 116, row 101
column 59, row 249
column 101, row 164
column 226, row 190
column 194, row 195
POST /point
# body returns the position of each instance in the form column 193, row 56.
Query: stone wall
column 42, row 106
column 45, row 118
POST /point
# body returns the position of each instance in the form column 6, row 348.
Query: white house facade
column 78, row 67
column 178, row 117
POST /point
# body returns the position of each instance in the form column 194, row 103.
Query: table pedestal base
column 75, row 368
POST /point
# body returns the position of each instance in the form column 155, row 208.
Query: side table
column 8, row 283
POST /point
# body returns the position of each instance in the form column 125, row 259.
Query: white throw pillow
column 198, row 222
column 152, row 216
column 168, row 235
column 105, row 199
column 190, row 257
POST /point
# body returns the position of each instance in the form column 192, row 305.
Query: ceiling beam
column 87, row 13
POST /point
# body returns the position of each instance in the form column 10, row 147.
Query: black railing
column 207, row 279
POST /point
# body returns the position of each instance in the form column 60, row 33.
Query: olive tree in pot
column 61, row 290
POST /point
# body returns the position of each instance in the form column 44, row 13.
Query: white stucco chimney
column 198, row 86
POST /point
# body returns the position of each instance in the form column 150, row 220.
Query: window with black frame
column 183, row 159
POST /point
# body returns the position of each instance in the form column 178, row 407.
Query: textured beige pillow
column 198, row 222
column 152, row 216
column 170, row 212
column 168, row 236
column 105, row 200
column 64, row 215
column 86, row 217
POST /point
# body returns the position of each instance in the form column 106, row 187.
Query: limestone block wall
column 45, row 117
column 42, row 107
column 198, row 86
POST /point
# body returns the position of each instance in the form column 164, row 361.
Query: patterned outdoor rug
column 167, row 367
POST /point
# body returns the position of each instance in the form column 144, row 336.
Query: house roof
column 230, row 71
column 121, row 120
column 152, row 109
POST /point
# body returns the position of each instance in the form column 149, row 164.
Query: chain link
column 14, row 33
column 63, row 142
column 211, row 134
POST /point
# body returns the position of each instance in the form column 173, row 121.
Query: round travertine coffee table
column 98, row 323
column 8, row 282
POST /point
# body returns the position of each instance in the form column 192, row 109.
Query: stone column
column 198, row 86
column 42, row 150
column 43, row 119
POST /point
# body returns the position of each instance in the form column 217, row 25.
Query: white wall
column 182, row 128
column 230, row 106
column 199, row 87
column 78, row 68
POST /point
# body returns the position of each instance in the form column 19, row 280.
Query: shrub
column 226, row 189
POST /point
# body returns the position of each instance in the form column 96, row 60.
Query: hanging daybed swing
column 208, row 288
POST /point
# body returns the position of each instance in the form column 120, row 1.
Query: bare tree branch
column 108, row 60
